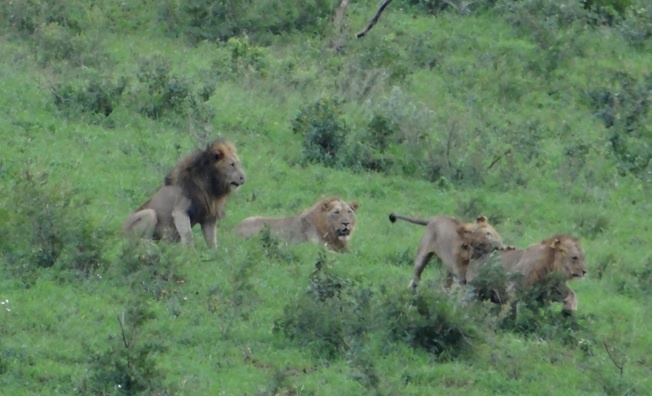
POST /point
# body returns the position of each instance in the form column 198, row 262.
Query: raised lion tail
column 393, row 217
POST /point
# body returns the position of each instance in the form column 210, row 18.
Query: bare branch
column 374, row 20
column 122, row 329
column 497, row 158
column 620, row 366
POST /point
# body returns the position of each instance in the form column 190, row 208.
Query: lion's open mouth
column 343, row 233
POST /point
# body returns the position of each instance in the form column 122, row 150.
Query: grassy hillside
column 534, row 113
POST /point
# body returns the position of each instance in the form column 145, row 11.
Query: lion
column 558, row 254
column 454, row 242
column 329, row 222
column 195, row 192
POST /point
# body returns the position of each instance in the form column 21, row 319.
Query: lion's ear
column 481, row 219
column 218, row 155
column 326, row 206
column 555, row 243
column 354, row 205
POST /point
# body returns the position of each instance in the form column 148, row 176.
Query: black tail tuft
column 392, row 217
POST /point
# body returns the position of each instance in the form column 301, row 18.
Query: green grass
column 214, row 315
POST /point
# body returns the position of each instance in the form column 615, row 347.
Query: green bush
column 323, row 130
column 128, row 366
column 97, row 96
column 26, row 16
column 623, row 107
column 51, row 228
column 163, row 94
column 636, row 24
column 430, row 320
column 214, row 20
column 331, row 317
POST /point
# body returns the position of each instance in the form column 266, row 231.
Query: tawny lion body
column 329, row 222
column 559, row 253
column 454, row 242
column 195, row 192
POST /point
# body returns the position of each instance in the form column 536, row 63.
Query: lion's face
column 481, row 236
column 569, row 256
column 340, row 216
column 227, row 164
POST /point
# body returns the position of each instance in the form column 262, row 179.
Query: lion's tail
column 393, row 217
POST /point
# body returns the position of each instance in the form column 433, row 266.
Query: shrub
column 323, row 130
column 26, row 16
column 331, row 317
column 429, row 320
column 214, row 20
column 162, row 94
column 492, row 282
column 51, row 228
column 246, row 57
column 97, row 96
column 623, row 107
column 636, row 24
column 128, row 366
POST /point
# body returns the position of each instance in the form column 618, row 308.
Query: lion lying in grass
column 329, row 222
column 195, row 192
column 454, row 242
column 560, row 253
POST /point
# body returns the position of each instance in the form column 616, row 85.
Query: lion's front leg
column 183, row 226
column 208, row 228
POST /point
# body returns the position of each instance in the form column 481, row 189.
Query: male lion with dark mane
column 329, row 222
column 454, row 242
column 558, row 254
column 195, row 192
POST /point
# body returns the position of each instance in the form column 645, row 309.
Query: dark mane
column 196, row 175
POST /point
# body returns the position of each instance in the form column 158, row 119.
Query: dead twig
column 621, row 366
column 374, row 19
column 122, row 329
column 497, row 158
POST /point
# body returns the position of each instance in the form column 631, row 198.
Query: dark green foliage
column 623, row 106
column 572, row 330
column 492, row 282
column 608, row 9
column 214, row 20
column 427, row 6
column 247, row 57
column 50, row 227
column 163, row 94
column 25, row 17
column 429, row 320
column 97, row 96
column 331, row 317
column 324, row 131
column 128, row 366
column 636, row 25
